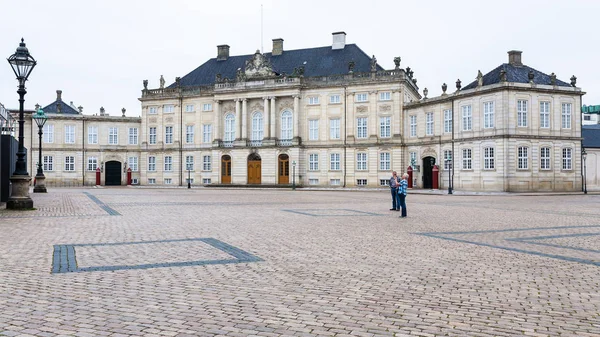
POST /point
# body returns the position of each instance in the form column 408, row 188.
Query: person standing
column 394, row 189
column 402, row 191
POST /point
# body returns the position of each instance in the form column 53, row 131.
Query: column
column 296, row 116
column 238, row 117
column 374, row 118
column 244, row 118
column 272, row 119
column 217, row 121
column 267, row 118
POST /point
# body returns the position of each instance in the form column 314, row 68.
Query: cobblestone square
column 274, row 262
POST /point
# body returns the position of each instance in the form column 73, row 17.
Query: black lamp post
column 584, row 156
column 40, row 119
column 189, row 167
column 22, row 64
column 449, row 165
column 293, row 175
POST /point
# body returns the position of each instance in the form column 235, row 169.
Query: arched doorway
column 254, row 169
column 226, row 169
column 284, row 169
column 428, row 163
column 112, row 173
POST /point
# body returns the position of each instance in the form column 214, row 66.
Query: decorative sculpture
column 530, row 76
column 425, row 92
column 162, row 82
column 553, row 79
column 178, row 81
column 503, row 75
column 573, row 80
column 145, row 84
column 373, row 64
column 351, row 65
column 458, row 86
column 444, row 87
column 397, row 60
column 123, row 112
column 479, row 78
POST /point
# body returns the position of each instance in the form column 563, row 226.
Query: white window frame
column 168, row 134
column 189, row 108
column 413, row 125
column 335, row 99
column 152, row 110
column 206, row 163
column 69, row 134
column 92, row 134
column 385, row 127
column 545, row 158
column 48, row 131
column 467, row 118
column 362, row 97
column 429, row 124
column 447, row 156
column 313, row 162
column 334, row 162
column 132, row 163
column 229, row 127
column 567, row 159
column 207, row 107
column 287, row 125
column 544, row 114
column 385, row 162
column 48, row 163
column 258, row 126
column 488, row 115
column 385, row 96
column 565, row 116
column 70, row 163
column 151, row 164
column 467, row 159
column 334, row 128
column 168, row 165
column 447, row 121
column 313, row 100
column 361, row 182
column 361, row 127
column 207, row 133
column 113, row 136
column 151, row 181
column 133, row 136
column 313, row 129
column 488, row 158
column 362, row 161
column 92, row 163
column 189, row 134
column 522, row 113
column 523, row 158
column 189, row 163
column 168, row 181
column 152, row 135
column 168, row 108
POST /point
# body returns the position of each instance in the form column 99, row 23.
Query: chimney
column 277, row 47
column 58, row 95
column 222, row 52
column 514, row 58
column 339, row 40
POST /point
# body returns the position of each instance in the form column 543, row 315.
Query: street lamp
column 293, row 175
column 584, row 156
column 449, row 166
column 22, row 64
column 189, row 167
column 40, row 119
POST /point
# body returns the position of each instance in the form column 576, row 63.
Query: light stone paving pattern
column 272, row 262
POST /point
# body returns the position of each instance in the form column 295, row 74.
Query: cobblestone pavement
column 241, row 262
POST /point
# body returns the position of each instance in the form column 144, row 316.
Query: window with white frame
column 168, row 181
column 313, row 100
column 361, row 127
column 69, row 134
column 69, row 163
column 413, row 159
column 313, row 181
column 152, row 135
column 257, row 126
column 313, row 162
column 334, row 162
column 545, row 158
column 488, row 158
column 189, row 181
column 207, row 107
column 113, row 136
column 522, row 113
column 385, row 96
column 168, row 135
column 363, row 97
column 168, row 163
column 151, row 181
column 567, row 159
column 384, row 182
column 334, row 99
column 429, row 124
column 313, row 129
column 361, row 161
column 385, row 127
column 334, row 128
column 467, row 159
column 132, row 162
column 229, row 127
column 152, row 110
column 168, row 108
column 447, row 121
column 566, row 115
column 151, row 163
column 92, row 134
column 384, row 161
column 133, row 136
column 206, row 181
column 335, row 182
column 522, row 158
column 189, row 134
column 48, row 133
column 189, row 108
column 544, row 114
column 207, row 133
column 447, row 159
column 92, row 163
column 488, row 115
column 361, row 182
column 467, row 118
column 189, row 163
column 286, row 125
column 413, row 125
column 206, row 163
column 48, row 163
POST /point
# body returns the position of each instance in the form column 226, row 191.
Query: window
column 69, row 163
column 133, row 136
column 413, row 126
column 466, row 159
column 384, row 182
column 385, row 96
column 313, row 181
column 488, row 158
column 361, row 182
column 467, row 118
column 189, row 134
column 152, row 133
column 429, row 124
column 207, row 133
column 313, row 162
column 206, row 163
column 587, row 117
column 334, row 99
column 168, row 181
column 313, row 100
column 334, row 128
column 229, row 127
column 168, row 135
column 361, row 127
column 522, row 158
column 152, row 163
column 69, row 134
column 151, row 181
column 92, row 135
column 207, row 107
column 385, row 127
column 335, row 182
column 545, row 158
column 313, row 129
column 488, row 115
column 544, row 114
column 189, row 163
column 361, row 161
column 257, row 126
column 286, row 125
column 206, row 180
column 92, row 163
column 189, row 181
column 566, row 115
column 168, row 163
column 334, row 162
column 361, row 97
column 413, row 159
column 567, row 159
column 132, row 162
column 152, row 110
column 48, row 163
column 447, row 121
column 189, row 108
column 447, row 159
column 48, row 133
column 384, row 161
column 522, row 113
column 169, row 108
column 113, row 136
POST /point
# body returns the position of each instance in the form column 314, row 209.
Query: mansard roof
column 517, row 74
column 591, row 135
column 321, row 61
column 64, row 108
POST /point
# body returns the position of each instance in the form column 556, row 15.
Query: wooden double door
column 254, row 169
column 283, row 169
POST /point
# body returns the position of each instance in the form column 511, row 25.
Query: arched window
column 286, row 125
column 257, row 126
column 229, row 127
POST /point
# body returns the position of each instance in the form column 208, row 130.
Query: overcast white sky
column 98, row 52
